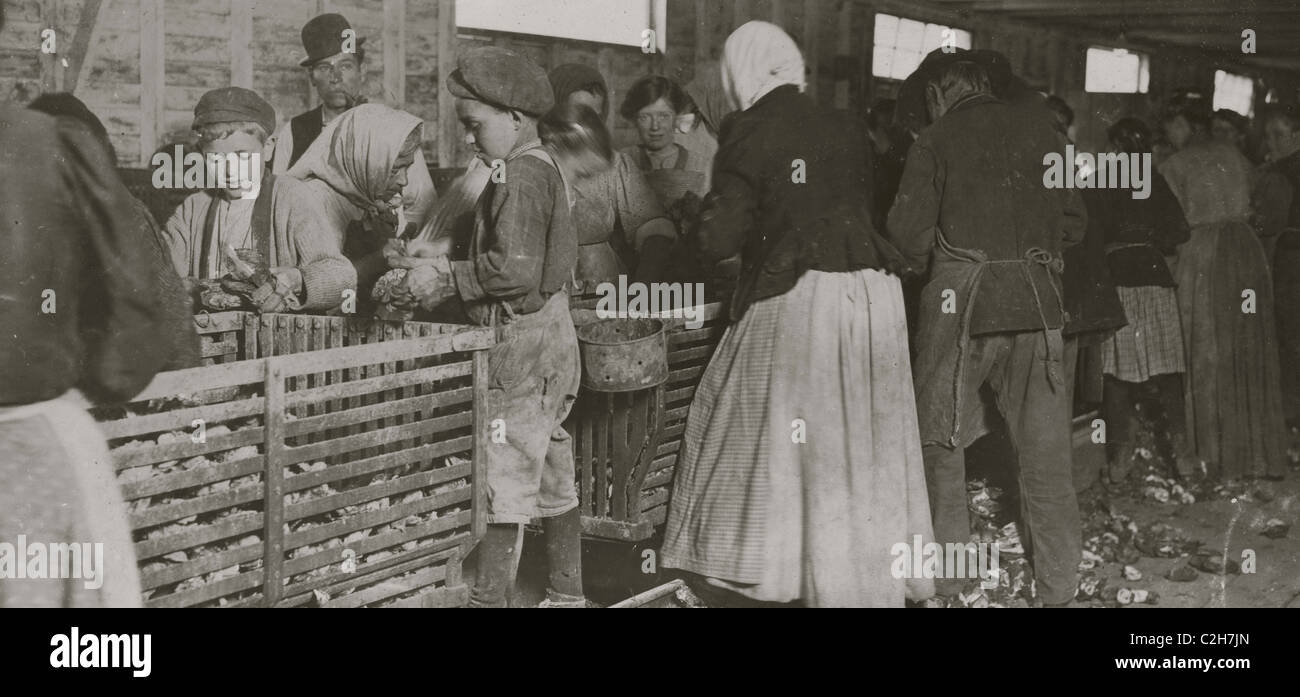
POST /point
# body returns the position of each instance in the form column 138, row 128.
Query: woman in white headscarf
column 361, row 169
column 801, row 467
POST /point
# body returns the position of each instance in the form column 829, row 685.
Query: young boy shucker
column 522, row 253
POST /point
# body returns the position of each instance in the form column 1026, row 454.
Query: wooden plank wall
column 147, row 61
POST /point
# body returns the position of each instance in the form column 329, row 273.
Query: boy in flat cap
column 335, row 64
column 280, row 219
column 522, row 253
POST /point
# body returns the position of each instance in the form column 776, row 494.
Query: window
column 900, row 44
column 1116, row 70
column 1235, row 92
column 583, row 20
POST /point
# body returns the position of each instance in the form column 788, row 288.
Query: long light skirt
column 1233, row 384
column 801, row 466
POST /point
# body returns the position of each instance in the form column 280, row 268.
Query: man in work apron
column 1024, row 373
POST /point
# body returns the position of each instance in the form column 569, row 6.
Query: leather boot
column 563, row 534
column 498, row 563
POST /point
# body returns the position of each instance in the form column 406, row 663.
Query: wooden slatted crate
column 618, row 499
column 330, row 461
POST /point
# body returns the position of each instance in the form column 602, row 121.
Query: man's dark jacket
column 69, row 236
column 976, row 174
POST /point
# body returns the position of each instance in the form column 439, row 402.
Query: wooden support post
column 395, row 52
column 778, row 13
column 241, row 39
column 706, row 21
column 844, row 92
column 811, row 25
column 153, row 81
column 478, row 456
column 741, row 12
column 448, row 128
column 273, row 483
column 605, row 64
column 81, row 42
column 50, row 61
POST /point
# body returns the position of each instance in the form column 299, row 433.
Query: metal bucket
column 623, row 355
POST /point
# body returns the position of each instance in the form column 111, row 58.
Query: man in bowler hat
column 334, row 62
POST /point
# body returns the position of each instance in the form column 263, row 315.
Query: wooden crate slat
column 370, row 439
column 378, row 571
column 375, row 543
column 182, row 419
column 380, row 352
column 692, row 373
column 200, row 535
column 388, row 589
column 136, row 455
column 370, row 519
column 208, row 377
column 353, row 387
column 392, row 487
column 212, row 591
column 158, row 515
column 316, row 424
column 657, row 498
column 205, row 564
column 192, row 478
column 357, row 468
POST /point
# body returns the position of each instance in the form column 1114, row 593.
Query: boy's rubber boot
column 498, row 564
column 563, row 534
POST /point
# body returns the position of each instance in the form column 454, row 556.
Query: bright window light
column 1235, row 92
column 1117, row 70
column 901, row 44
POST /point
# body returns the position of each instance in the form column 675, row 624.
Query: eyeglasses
column 657, row 119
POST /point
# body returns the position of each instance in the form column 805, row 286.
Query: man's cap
column 229, row 104
column 323, row 37
column 502, row 78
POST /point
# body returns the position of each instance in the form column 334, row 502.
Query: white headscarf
column 758, row 58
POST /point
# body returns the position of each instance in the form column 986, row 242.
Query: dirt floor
column 1186, row 542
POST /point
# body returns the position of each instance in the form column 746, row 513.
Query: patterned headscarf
column 355, row 153
column 758, row 58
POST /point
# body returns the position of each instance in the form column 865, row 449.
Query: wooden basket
column 624, row 496
column 339, row 476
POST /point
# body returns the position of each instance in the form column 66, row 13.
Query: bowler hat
column 323, row 37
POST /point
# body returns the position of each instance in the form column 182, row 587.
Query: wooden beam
column 706, row 22
column 605, row 64
column 811, row 23
column 49, row 61
column 448, row 128
column 241, row 40
column 741, row 12
column 778, row 13
column 153, row 79
column 81, row 42
column 395, row 52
